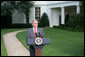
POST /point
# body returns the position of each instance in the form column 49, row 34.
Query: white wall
column 32, row 14
column 63, row 4
column 55, row 12
column 18, row 18
column 43, row 9
column 52, row 10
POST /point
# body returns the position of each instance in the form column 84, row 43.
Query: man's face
column 35, row 24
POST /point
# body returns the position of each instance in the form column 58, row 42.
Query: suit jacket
column 30, row 33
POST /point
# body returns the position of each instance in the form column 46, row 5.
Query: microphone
column 39, row 35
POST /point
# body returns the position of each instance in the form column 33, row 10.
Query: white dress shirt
column 33, row 29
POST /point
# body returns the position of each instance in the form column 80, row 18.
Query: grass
column 63, row 42
column 22, row 37
column 4, row 31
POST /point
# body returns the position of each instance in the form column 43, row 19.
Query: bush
column 60, row 27
column 18, row 26
column 44, row 21
column 76, row 20
column 78, row 29
column 5, row 21
column 66, row 19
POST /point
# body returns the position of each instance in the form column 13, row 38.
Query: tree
column 21, row 6
column 44, row 21
column 5, row 14
column 5, row 9
column 8, row 7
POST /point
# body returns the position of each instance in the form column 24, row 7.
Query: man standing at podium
column 31, row 34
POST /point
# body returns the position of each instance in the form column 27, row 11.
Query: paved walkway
column 13, row 46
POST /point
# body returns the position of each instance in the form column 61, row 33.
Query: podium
column 38, row 48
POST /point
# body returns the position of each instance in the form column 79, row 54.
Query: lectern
column 38, row 44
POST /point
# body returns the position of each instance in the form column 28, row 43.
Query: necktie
column 35, row 32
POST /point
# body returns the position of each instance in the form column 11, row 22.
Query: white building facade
column 56, row 11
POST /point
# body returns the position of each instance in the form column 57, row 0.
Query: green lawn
column 63, row 42
column 4, row 31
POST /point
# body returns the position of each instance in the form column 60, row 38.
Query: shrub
column 60, row 27
column 76, row 21
column 44, row 21
column 18, row 26
column 5, row 21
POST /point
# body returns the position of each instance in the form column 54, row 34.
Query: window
column 37, row 13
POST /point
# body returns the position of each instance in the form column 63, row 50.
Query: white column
column 62, row 15
column 78, row 9
column 50, row 16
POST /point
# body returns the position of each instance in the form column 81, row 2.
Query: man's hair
column 34, row 20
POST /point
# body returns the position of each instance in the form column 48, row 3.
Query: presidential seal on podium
column 38, row 41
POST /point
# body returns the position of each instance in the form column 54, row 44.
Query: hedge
column 17, row 26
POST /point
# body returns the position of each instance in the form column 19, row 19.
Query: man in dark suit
column 31, row 34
